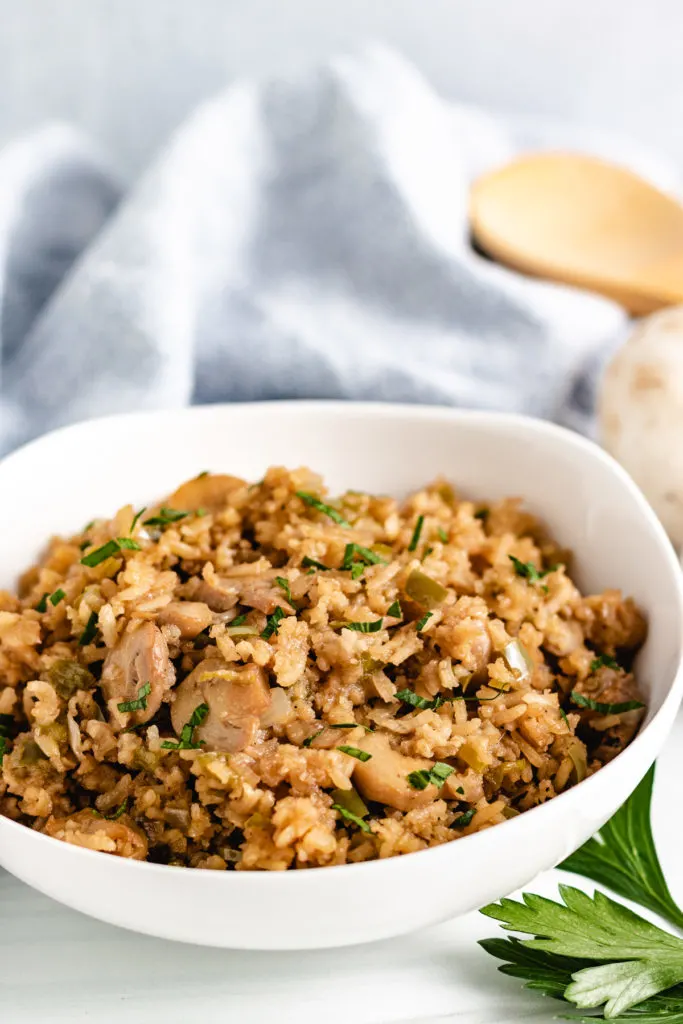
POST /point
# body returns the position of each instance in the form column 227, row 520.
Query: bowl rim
column 336, row 408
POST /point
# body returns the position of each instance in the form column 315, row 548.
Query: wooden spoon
column 575, row 219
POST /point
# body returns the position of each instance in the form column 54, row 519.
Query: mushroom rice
column 259, row 677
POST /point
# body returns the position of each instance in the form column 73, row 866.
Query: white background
column 128, row 70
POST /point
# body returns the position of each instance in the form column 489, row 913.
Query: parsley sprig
column 590, row 950
column 320, row 506
column 187, row 740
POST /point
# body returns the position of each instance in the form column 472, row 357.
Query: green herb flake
column 420, row 625
column 563, row 715
column 88, row 634
column 186, row 741
column 460, row 790
column 443, row 536
column 349, row 725
column 58, row 596
column 42, row 604
column 240, row 620
column 311, row 563
column 136, row 519
column 351, row 817
column 112, row 547
column 436, row 775
column 527, row 570
column 415, row 701
column 309, row 739
column 121, row 809
column 5, row 747
column 605, row 709
column 365, row 627
column 604, row 661
column 415, row 539
column 360, row 755
column 283, row 584
column 273, row 623
column 204, row 472
column 140, row 704
column 464, row 819
column 357, row 553
column 320, row 506
column 394, row 610
column 166, row 516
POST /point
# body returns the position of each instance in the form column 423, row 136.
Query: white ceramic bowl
column 68, row 477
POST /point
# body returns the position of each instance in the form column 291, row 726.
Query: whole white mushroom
column 641, row 413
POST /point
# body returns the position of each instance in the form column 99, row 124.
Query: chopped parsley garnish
column 140, row 704
column 4, row 747
column 166, row 516
column 365, row 627
column 423, row 621
column 604, row 709
column 421, row 703
column 436, row 775
column 603, row 661
column 464, row 819
column 273, row 623
column 42, row 604
column 460, row 790
column 350, row 816
column 186, row 741
column 349, row 725
column 204, row 472
column 283, row 584
column 415, row 539
column 395, row 610
column 311, row 563
column 88, row 634
column 564, row 717
column 136, row 519
column 89, row 526
column 112, row 547
column 240, row 620
column 357, row 553
column 58, row 596
column 443, row 536
column 360, row 755
column 320, row 506
column 527, row 570
column 309, row 739
column 121, row 809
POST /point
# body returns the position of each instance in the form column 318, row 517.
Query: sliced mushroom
column 236, row 697
column 139, row 658
column 220, row 595
column 384, row 777
column 210, row 491
column 262, row 593
column 190, row 617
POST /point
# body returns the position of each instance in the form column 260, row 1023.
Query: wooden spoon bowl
column 580, row 221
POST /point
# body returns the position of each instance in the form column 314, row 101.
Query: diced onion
column 280, row 708
column 74, row 736
column 426, row 591
column 577, row 753
column 350, row 800
column 518, row 660
column 243, row 630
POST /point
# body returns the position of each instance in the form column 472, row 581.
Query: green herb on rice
column 273, row 623
column 360, row 755
column 187, row 741
column 108, row 550
column 140, row 704
column 415, row 539
column 320, row 506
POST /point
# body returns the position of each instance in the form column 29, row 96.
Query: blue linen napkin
column 297, row 238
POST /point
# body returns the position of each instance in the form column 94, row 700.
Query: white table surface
column 59, row 967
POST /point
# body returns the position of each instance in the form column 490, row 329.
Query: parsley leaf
column 443, row 536
column 140, row 704
column 415, row 539
column 58, row 596
column 350, row 816
column 239, row 620
column 603, row 661
column 273, row 623
column 186, row 741
column 309, row 739
column 365, row 627
column 423, row 621
column 357, row 553
column 638, row 960
column 136, row 519
column 529, row 571
column 395, row 610
column 415, row 701
column 283, row 584
column 88, row 634
column 623, row 857
column 42, row 604
column 166, row 516
column 4, row 747
column 320, row 506
column 112, row 547
column 311, row 563
column 604, row 709
column 464, row 819
column 360, row 755
column 436, row 775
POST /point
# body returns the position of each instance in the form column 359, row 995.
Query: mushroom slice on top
column 139, row 662
column 236, row 698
